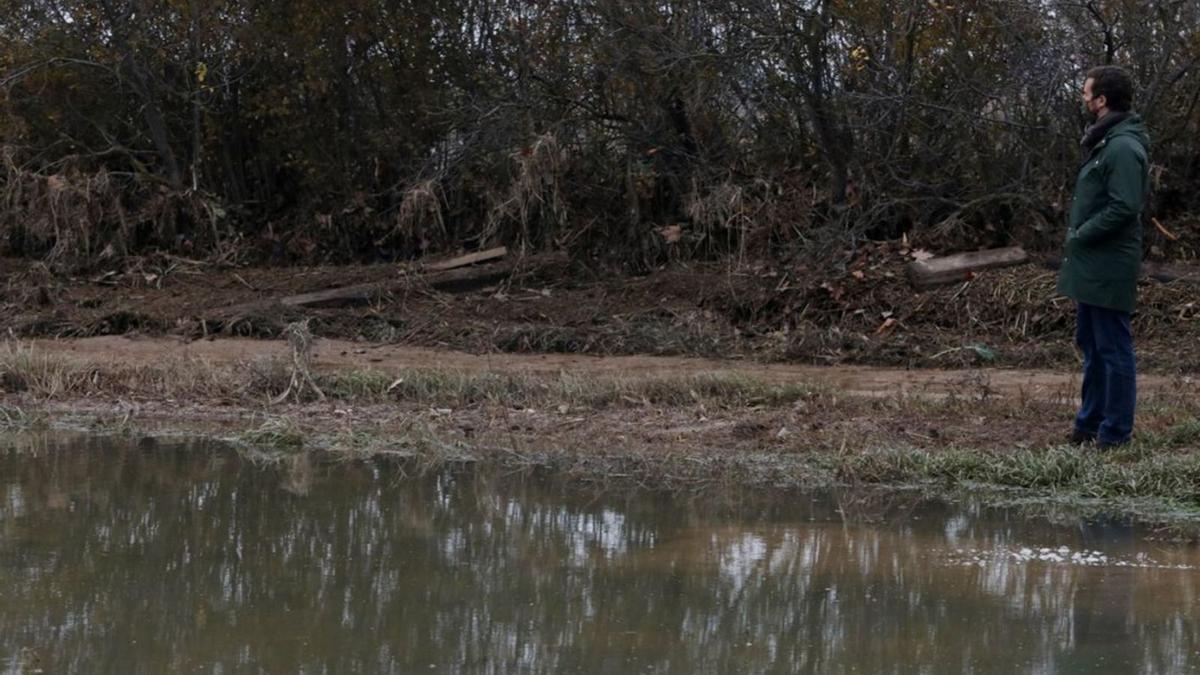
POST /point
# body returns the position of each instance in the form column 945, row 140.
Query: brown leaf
column 834, row 291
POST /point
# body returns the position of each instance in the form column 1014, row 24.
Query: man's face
column 1092, row 104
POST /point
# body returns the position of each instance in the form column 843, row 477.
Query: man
column 1103, row 254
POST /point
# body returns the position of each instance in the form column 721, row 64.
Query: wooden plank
column 1183, row 273
column 359, row 294
column 468, row 259
column 1169, row 272
column 362, row 294
column 458, row 280
column 454, row 280
column 934, row 272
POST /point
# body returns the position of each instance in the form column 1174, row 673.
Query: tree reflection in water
column 122, row 558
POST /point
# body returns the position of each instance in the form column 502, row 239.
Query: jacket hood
column 1132, row 127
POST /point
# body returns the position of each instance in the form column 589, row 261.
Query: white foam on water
column 1058, row 556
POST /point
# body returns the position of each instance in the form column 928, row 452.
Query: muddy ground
column 653, row 421
column 863, row 314
column 855, row 406
column 859, row 406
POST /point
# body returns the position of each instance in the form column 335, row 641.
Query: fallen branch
column 300, row 340
column 454, row 280
column 1165, row 232
column 1164, row 272
column 468, row 259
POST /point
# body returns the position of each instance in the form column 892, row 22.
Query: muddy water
column 129, row 557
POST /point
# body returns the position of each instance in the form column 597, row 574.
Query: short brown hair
column 1115, row 84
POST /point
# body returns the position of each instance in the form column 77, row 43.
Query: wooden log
column 1165, row 272
column 934, row 272
column 457, row 279
column 454, row 280
column 468, row 259
column 1169, row 272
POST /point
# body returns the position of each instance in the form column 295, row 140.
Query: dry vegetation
column 632, row 133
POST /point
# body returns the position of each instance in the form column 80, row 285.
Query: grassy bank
column 678, row 431
column 46, row 377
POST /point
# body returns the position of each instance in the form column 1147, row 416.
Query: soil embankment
column 864, row 314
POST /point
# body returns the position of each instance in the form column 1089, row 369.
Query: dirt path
column 339, row 354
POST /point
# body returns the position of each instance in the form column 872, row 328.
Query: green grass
column 459, row 389
column 456, row 388
column 278, row 434
column 1184, row 434
column 15, row 418
column 1135, row 472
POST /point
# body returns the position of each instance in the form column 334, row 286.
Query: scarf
column 1094, row 133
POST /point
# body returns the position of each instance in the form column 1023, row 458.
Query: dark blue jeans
column 1109, row 374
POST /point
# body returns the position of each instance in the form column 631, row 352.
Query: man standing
column 1103, row 254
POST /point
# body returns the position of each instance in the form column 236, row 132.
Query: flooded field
column 138, row 556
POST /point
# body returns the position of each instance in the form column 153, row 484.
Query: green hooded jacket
column 1103, row 250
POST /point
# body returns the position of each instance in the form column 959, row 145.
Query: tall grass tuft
column 44, row 376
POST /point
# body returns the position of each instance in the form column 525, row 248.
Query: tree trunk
column 152, row 115
column 155, row 123
column 836, row 142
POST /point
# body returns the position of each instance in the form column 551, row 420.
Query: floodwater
column 144, row 557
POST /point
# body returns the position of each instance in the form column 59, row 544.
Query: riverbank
column 667, row 423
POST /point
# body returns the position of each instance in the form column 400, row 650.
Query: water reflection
column 121, row 559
